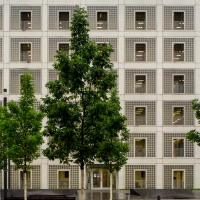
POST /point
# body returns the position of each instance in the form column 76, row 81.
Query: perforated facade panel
column 35, row 177
column 188, row 45
column 1, row 81
column 150, row 48
column 130, row 111
column 1, row 17
column 168, row 137
column 168, row 112
column 130, row 175
column 189, row 174
column 151, row 143
column 53, row 47
column 150, row 16
column 54, row 15
column 189, row 16
column 35, row 16
column 35, row 48
column 52, row 75
column 15, row 80
column 130, row 80
column 74, row 175
column 1, row 49
column 112, row 16
column 188, row 80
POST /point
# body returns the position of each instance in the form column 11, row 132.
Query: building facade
column 156, row 46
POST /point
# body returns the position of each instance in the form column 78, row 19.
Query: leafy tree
column 113, row 149
column 21, row 124
column 193, row 135
column 76, row 105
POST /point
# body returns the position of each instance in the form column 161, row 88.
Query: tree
column 21, row 124
column 193, row 135
column 76, row 105
column 113, row 149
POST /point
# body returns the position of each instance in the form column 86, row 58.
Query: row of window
column 102, row 17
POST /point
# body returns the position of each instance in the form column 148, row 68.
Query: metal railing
column 63, row 25
column 140, row 152
column 178, row 152
column 140, row 184
column 178, row 25
column 63, row 184
column 25, row 25
column 178, row 184
column 102, row 25
column 25, row 56
column 140, row 25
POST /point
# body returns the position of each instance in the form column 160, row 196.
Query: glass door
column 96, row 177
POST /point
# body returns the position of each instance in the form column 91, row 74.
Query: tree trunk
column 82, row 181
column 25, row 187
column 111, row 186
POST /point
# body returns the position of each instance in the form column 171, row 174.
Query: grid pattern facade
column 151, row 143
column 15, row 17
column 1, row 81
column 52, row 75
column 130, row 18
column 130, row 111
column 53, row 47
column 112, row 16
column 130, row 80
column 35, row 177
column 130, row 175
column 1, row 49
column 168, row 141
column 130, row 48
column 189, row 16
column 189, row 174
column 15, row 80
column 188, row 80
column 113, row 42
column 188, row 46
column 168, row 112
column 15, row 49
column 54, row 15
column 74, row 175
column 1, row 17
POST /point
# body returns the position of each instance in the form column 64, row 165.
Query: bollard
column 158, row 197
column 127, row 196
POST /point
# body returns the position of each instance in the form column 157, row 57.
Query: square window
column 63, row 20
column 178, row 52
column 178, row 180
column 178, row 20
column 140, row 147
column 178, row 83
column 140, row 83
column 178, row 147
column 25, row 52
column 140, row 20
column 140, row 52
column 140, row 116
column 140, row 179
column 64, row 47
column 25, row 23
column 102, row 20
column 178, row 116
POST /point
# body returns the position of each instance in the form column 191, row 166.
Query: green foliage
column 193, row 135
column 20, row 125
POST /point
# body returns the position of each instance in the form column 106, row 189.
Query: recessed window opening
column 178, row 83
column 140, row 179
column 63, row 20
column 64, row 47
column 140, row 116
column 178, row 147
column 178, row 52
column 140, row 52
column 140, row 20
column 25, row 21
column 28, row 179
column 140, row 147
column 25, row 53
column 178, row 180
column 63, row 180
column 140, row 83
column 178, row 116
column 102, row 20
column 178, row 20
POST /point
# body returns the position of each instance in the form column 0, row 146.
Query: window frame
column 135, row 82
column 107, row 20
column 58, row 170
column 145, row 115
column 177, row 170
column 20, row 50
column 58, row 11
column 20, row 170
column 135, row 43
column 139, row 170
column 20, row 11
column 173, row 83
column 173, row 115
column 173, row 43
column 138, row 138
column 173, row 11
column 63, row 43
column 173, row 147
column 135, row 19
